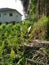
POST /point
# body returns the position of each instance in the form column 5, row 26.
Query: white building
column 8, row 12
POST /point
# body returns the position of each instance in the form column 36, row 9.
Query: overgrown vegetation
column 13, row 37
column 40, row 29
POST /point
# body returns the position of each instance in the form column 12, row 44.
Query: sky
column 14, row 4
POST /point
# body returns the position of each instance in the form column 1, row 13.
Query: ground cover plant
column 12, row 37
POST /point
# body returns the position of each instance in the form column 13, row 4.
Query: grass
column 39, row 30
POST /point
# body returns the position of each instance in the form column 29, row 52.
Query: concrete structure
column 9, row 15
column 8, row 11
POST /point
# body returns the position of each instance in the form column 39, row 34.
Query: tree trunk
column 42, row 8
column 26, row 4
column 38, row 8
column 29, row 6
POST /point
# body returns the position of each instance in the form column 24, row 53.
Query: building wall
column 5, row 16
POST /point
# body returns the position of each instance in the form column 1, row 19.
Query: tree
column 38, row 8
column 26, row 4
column 42, row 8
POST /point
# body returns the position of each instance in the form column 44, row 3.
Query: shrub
column 39, row 30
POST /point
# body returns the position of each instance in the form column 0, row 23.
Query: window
column 0, row 15
column 4, row 13
column 16, row 15
column 10, row 14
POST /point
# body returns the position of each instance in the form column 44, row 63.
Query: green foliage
column 40, row 29
column 11, row 37
column 12, row 54
column 1, row 49
column 33, row 11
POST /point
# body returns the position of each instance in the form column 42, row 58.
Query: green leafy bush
column 10, row 41
column 12, row 37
